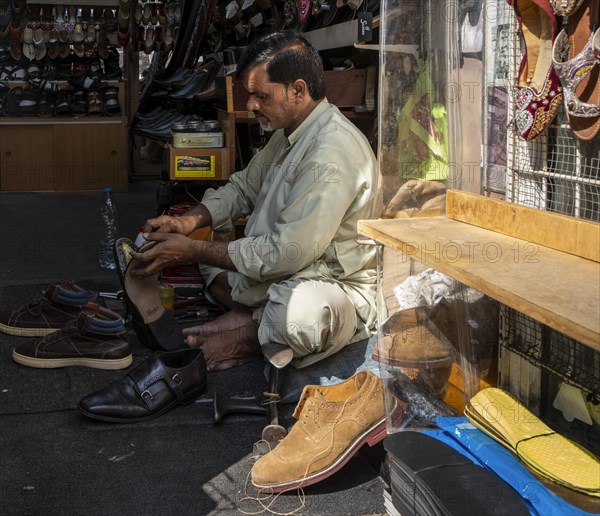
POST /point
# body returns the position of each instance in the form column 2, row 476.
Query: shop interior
column 484, row 117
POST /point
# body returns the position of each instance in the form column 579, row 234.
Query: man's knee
column 309, row 316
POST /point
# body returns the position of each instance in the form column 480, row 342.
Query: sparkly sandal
column 576, row 59
column 538, row 94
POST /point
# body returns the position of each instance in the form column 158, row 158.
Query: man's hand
column 170, row 249
column 183, row 224
column 197, row 217
column 175, row 249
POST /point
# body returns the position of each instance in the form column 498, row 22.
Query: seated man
column 297, row 277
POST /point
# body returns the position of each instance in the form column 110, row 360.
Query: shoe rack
column 63, row 94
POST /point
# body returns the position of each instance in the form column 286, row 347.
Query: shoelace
column 36, row 307
column 66, row 331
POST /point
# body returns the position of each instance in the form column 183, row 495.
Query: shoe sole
column 371, row 437
column 53, row 363
column 433, row 363
column 26, row 332
column 154, row 325
column 108, row 419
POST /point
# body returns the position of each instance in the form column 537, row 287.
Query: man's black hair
column 289, row 56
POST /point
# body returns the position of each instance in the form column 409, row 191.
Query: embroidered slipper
column 565, row 7
column 576, row 60
column 538, row 94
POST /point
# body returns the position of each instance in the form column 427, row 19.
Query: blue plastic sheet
column 493, row 456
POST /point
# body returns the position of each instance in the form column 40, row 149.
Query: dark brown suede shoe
column 96, row 339
column 59, row 305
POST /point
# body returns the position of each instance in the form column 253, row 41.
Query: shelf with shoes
column 58, row 102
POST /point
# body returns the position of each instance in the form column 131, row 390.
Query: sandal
column 79, row 103
column 538, row 94
column 576, row 60
column 62, row 106
column 112, row 69
column 33, row 70
column 18, row 73
column 28, row 47
column 28, row 103
column 95, row 103
column 46, row 104
column 111, row 101
column 12, row 102
column 49, row 70
column 565, row 7
column 4, row 91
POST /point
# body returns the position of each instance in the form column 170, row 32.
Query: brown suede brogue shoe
column 333, row 423
column 411, row 339
column 96, row 339
column 59, row 305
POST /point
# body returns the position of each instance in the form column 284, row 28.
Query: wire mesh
column 567, row 359
column 556, row 171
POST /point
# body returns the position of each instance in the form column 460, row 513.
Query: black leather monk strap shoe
column 158, row 384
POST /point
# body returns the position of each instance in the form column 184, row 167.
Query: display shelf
column 71, row 120
column 339, row 35
column 542, row 264
column 90, row 3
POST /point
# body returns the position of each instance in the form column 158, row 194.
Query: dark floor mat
column 55, row 461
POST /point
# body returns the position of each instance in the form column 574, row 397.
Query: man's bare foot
column 228, row 341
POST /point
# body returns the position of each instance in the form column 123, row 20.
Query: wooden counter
column 542, row 264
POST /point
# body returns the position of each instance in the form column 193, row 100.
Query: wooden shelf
column 72, row 120
column 339, row 35
column 542, row 264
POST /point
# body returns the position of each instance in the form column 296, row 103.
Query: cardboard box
column 197, row 140
column 231, row 95
column 454, row 394
column 194, row 164
column 344, row 88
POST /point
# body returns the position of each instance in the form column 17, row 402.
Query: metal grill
column 572, row 362
column 556, row 172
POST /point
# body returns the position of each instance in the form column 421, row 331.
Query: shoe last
column 411, row 339
column 332, row 424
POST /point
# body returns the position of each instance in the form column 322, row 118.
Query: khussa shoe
column 538, row 94
column 576, row 59
column 412, row 339
column 157, row 385
column 333, row 423
column 59, row 305
column 96, row 339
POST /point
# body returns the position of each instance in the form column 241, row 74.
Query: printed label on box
column 195, row 166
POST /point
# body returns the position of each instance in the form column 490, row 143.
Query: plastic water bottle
column 108, row 215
